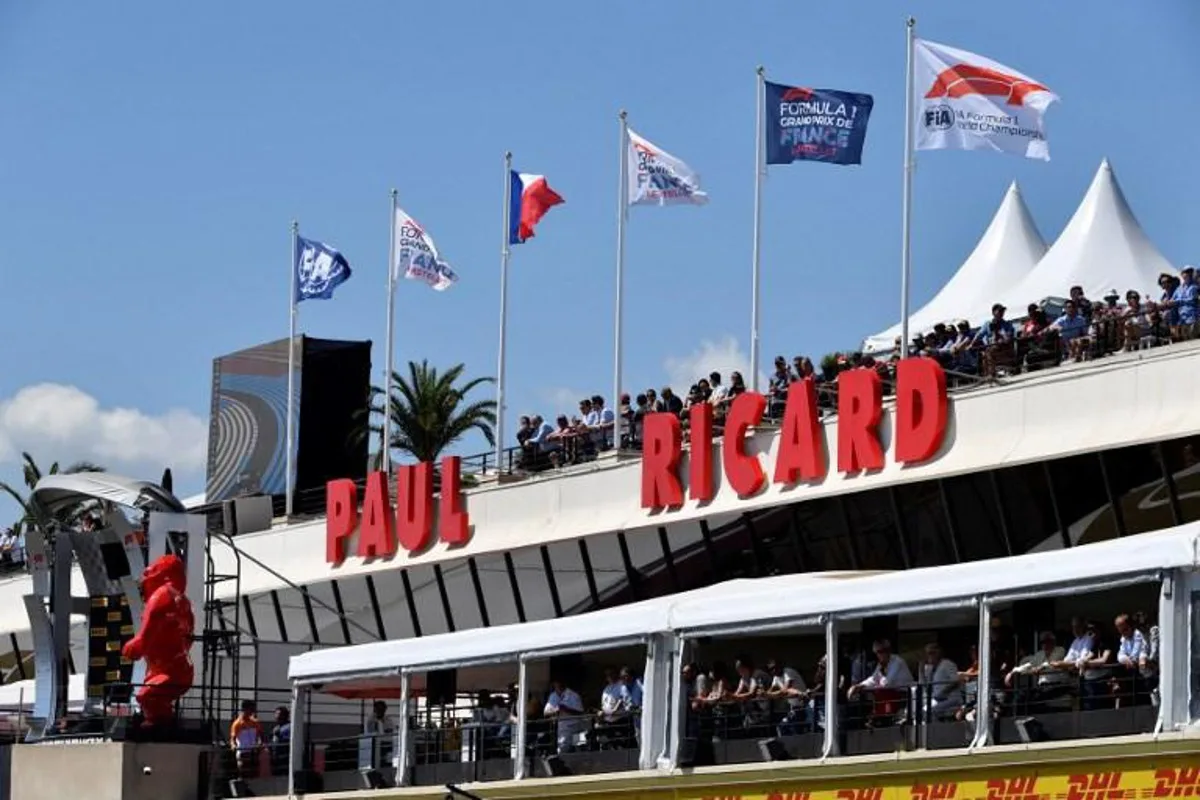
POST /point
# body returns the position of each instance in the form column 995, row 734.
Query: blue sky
column 153, row 155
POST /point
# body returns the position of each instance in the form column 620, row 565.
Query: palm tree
column 33, row 474
column 429, row 411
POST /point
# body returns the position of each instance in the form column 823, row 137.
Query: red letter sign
column 860, row 407
column 341, row 517
column 921, row 409
column 744, row 472
column 454, row 527
column 375, row 540
column 801, row 456
column 414, row 506
column 700, row 436
column 661, row 443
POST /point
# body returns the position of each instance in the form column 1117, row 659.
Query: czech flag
column 529, row 198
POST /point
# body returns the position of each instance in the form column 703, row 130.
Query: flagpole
column 291, row 378
column 505, row 252
column 389, row 356
column 618, row 322
column 906, row 214
column 759, row 125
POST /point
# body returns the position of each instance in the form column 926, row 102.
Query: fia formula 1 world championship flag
column 657, row 178
column 965, row 101
column 417, row 257
column 815, row 124
column 319, row 270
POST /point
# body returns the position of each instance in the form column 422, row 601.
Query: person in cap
column 996, row 337
column 1183, row 303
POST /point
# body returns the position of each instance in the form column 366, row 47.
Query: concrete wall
column 106, row 771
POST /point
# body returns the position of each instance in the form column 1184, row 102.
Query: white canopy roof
column 734, row 603
column 1008, row 251
column 21, row 695
column 1102, row 248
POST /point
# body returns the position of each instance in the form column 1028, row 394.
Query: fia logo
column 939, row 118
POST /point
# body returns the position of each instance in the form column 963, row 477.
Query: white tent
column 1008, row 251
column 1102, row 248
column 21, row 695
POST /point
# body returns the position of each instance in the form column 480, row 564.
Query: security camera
column 147, row 770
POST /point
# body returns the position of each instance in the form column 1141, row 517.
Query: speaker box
column 441, row 687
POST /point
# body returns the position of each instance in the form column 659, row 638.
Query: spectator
column 603, row 424
column 281, row 737
column 1072, row 331
column 969, row 678
column 565, row 707
column 1051, row 681
column 1095, row 668
column 996, row 338
column 962, row 357
column 737, row 385
column 1081, row 302
column 615, row 700
column 1183, row 303
column 524, row 431
column 652, row 401
column 888, row 685
column 634, row 685
column 671, row 402
column 719, row 393
column 1167, row 283
column 1148, row 665
column 940, row 689
column 380, row 722
column 788, row 695
column 246, row 739
column 1131, row 654
column 778, row 387
column 8, row 547
column 756, row 708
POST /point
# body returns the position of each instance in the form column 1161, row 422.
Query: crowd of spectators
column 1048, row 334
column 879, row 688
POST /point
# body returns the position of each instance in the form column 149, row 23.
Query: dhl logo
column 787, row 795
column 1097, row 786
column 722, row 797
column 1022, row 787
column 934, row 791
column 1182, row 782
column 859, row 794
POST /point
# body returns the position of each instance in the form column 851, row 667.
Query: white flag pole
column 906, row 214
column 505, row 252
column 759, row 170
column 622, row 205
column 389, row 356
column 290, row 433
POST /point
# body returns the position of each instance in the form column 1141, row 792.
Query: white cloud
column 56, row 422
column 723, row 356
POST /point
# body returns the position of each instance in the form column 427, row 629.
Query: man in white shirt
column 1132, row 658
column 603, row 423
column 941, row 691
column 720, row 393
column 565, row 706
column 888, row 684
column 788, row 694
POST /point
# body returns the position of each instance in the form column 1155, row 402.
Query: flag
column 657, row 178
column 417, row 257
column 815, row 124
column 965, row 101
column 529, row 198
column 319, row 270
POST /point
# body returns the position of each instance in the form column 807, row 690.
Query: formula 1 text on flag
column 815, row 124
column 965, row 101
column 417, row 257
column 529, row 198
column 657, row 178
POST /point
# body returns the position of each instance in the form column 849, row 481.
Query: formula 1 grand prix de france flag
column 965, row 101
column 815, row 124
column 657, row 178
column 417, row 257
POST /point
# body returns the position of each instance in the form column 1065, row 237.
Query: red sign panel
column 919, row 425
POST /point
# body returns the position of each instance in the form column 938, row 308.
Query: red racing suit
column 164, row 640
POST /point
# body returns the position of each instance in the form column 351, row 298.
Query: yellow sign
column 1168, row 778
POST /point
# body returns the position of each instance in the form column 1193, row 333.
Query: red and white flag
column 965, row 101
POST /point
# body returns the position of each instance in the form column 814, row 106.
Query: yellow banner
column 1161, row 778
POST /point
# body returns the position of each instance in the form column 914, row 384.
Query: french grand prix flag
column 965, row 101
column 529, row 198
column 815, row 124
column 417, row 257
column 657, row 178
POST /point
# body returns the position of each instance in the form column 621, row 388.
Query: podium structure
column 111, row 555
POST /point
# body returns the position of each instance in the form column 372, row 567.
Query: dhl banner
column 1175, row 777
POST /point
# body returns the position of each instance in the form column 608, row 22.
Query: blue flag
column 319, row 270
column 815, row 124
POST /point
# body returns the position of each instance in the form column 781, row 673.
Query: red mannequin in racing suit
column 165, row 639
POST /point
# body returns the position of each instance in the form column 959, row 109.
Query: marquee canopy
column 1101, row 249
column 1007, row 252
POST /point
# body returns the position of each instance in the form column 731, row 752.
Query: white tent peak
column 1008, row 250
column 1102, row 247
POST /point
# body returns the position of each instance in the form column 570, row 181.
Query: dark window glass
column 925, row 526
column 1137, row 480
column 874, row 530
column 1027, row 505
column 1183, row 462
column 976, row 516
column 1082, row 501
